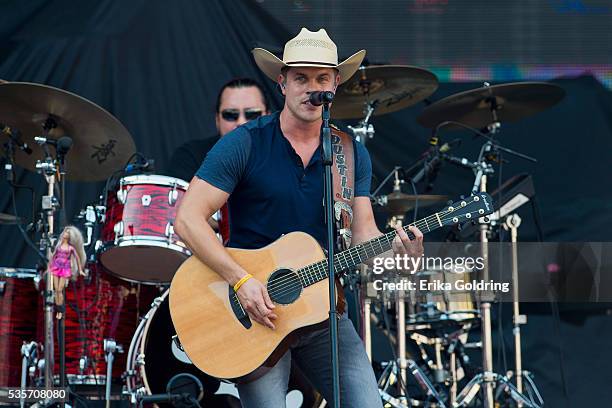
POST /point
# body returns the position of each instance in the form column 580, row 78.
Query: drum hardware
column 118, row 230
column 169, row 231
column 173, row 196
column 482, row 168
column 146, row 200
column 181, row 382
column 467, row 395
column 29, row 359
column 364, row 131
column 110, row 348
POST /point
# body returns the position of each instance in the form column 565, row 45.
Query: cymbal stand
column 482, row 168
column 364, row 130
column 110, row 348
column 512, row 223
column 48, row 169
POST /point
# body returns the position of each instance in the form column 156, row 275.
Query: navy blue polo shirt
column 271, row 193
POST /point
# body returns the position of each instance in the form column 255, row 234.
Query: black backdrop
column 157, row 67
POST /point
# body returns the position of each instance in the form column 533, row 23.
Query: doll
column 67, row 261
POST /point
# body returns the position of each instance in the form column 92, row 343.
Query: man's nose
column 241, row 119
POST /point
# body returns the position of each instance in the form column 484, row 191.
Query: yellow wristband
column 241, row 281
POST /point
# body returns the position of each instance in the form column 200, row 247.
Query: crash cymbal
column 511, row 102
column 390, row 87
column 10, row 219
column 101, row 144
column 398, row 203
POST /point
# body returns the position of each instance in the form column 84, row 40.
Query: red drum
column 138, row 239
column 18, row 312
column 97, row 308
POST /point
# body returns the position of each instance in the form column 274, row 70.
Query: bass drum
column 154, row 358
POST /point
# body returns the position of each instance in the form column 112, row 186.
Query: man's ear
column 281, row 83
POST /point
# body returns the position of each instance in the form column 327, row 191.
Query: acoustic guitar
column 216, row 332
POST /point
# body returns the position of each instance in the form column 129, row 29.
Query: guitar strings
column 280, row 284
column 283, row 289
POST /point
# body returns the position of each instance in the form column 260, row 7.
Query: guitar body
column 207, row 324
column 217, row 334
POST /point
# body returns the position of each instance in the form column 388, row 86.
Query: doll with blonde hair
column 67, row 261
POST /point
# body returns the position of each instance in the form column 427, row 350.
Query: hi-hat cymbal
column 398, row 203
column 101, row 144
column 390, row 87
column 511, row 103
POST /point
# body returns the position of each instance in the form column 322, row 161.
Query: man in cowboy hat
column 271, row 171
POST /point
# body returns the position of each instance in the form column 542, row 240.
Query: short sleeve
column 224, row 165
column 363, row 173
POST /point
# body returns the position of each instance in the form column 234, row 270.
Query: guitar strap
column 343, row 175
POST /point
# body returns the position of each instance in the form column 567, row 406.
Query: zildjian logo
column 103, row 151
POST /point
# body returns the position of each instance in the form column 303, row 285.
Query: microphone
column 318, row 98
column 63, row 145
column 148, row 164
column 431, row 157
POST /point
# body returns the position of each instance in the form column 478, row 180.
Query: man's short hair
column 242, row 83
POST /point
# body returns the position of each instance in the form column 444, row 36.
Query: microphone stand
column 328, row 201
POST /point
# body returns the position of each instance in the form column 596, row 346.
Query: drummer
column 238, row 101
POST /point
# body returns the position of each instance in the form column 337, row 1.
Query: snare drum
column 18, row 307
column 138, row 239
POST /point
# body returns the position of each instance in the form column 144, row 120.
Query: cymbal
column 398, row 203
column 9, row 219
column 101, row 144
column 514, row 101
column 391, row 87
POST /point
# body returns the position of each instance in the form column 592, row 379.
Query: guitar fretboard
column 352, row 257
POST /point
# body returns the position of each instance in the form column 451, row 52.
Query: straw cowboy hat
column 308, row 49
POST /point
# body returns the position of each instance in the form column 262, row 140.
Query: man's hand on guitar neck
column 254, row 298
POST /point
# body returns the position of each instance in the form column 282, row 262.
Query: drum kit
column 117, row 334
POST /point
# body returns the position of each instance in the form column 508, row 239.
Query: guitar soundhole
column 284, row 286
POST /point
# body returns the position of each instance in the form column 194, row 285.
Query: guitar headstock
column 469, row 209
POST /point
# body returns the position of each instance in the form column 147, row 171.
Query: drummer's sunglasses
column 232, row 115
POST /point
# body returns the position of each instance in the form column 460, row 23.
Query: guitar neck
column 353, row 256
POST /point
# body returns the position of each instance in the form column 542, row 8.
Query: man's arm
column 197, row 206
